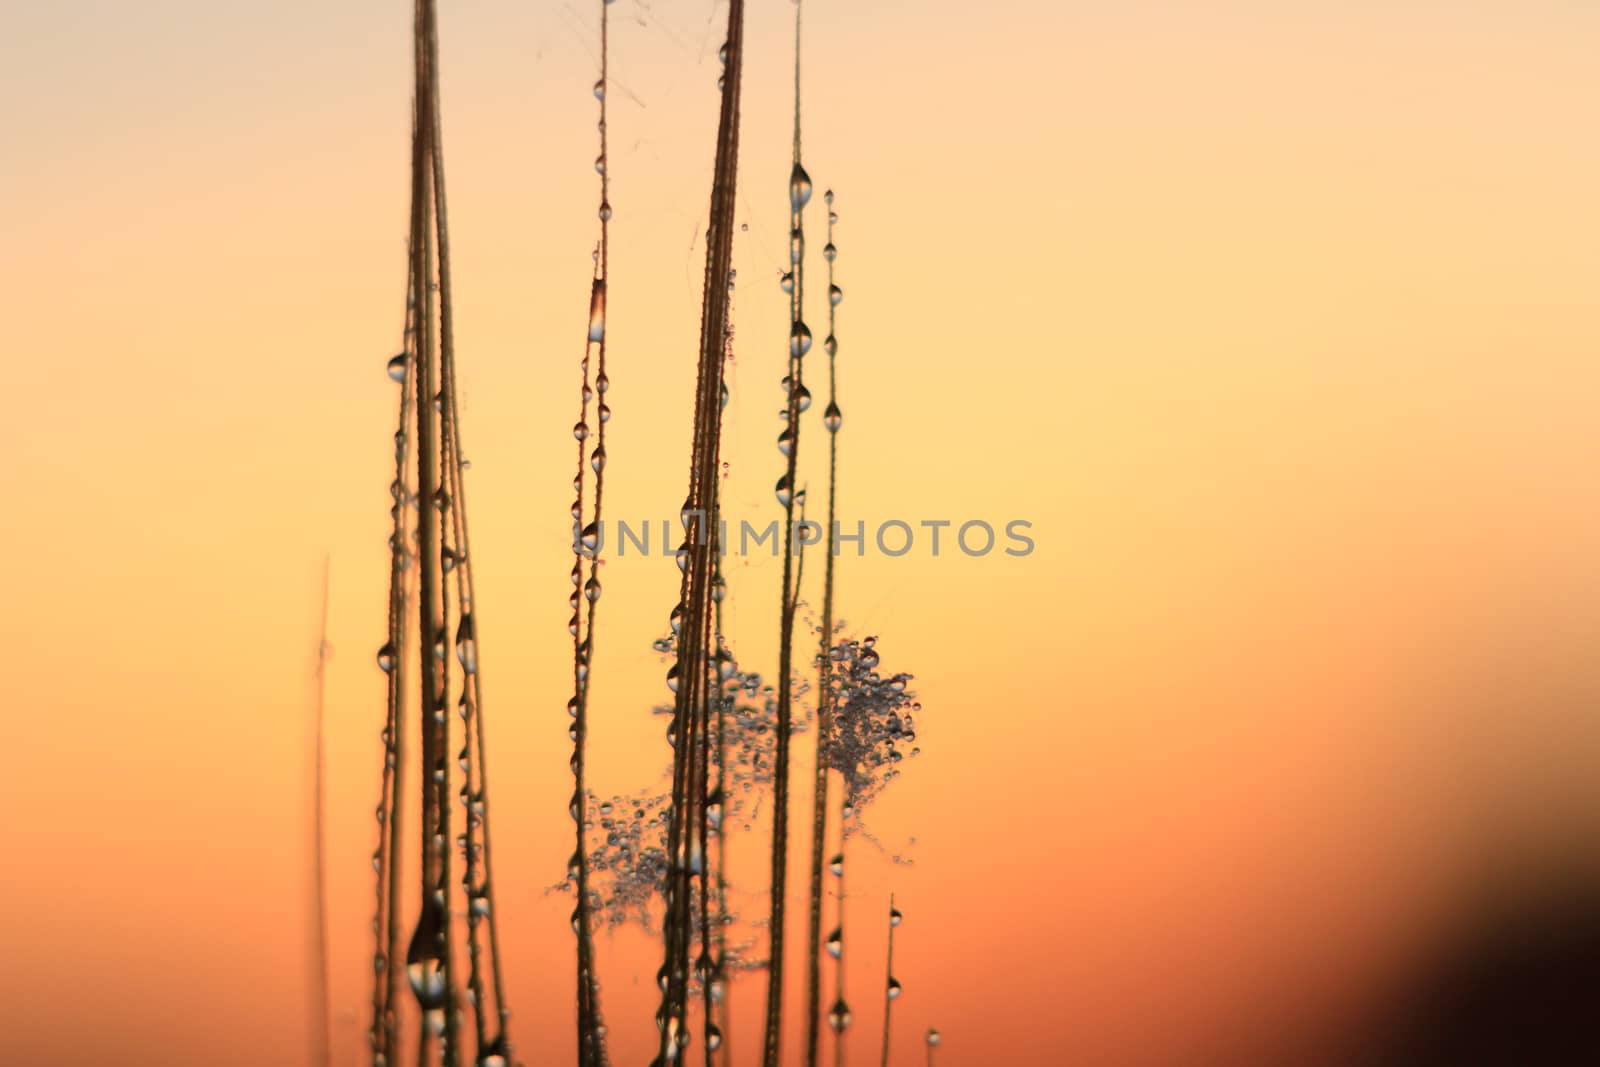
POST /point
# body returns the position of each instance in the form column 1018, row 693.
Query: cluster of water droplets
column 747, row 707
column 874, row 721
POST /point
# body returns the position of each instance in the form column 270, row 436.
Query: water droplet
column 783, row 491
column 799, row 187
column 713, row 1037
column 597, row 306
column 829, row 252
column 933, row 1036
column 605, row 211
column 797, row 246
column 836, row 865
column 835, row 943
column 580, row 430
column 802, row 398
column 386, row 657
column 786, row 441
column 799, row 340
column 835, row 294
column 832, row 418
column 600, row 89
column 894, row 988
column 786, row 281
column 590, row 540
column 467, row 645
column 397, row 367
column 839, row 1016
column 424, row 963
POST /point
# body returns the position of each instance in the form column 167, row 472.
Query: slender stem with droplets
column 429, row 398
column 819, row 794
column 788, row 490
column 889, row 985
column 586, row 543
column 685, row 820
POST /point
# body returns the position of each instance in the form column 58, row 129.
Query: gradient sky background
column 1279, row 321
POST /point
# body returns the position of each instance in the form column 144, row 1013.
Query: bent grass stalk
column 789, row 444
column 686, row 815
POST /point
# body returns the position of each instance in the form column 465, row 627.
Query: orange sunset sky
column 1279, row 321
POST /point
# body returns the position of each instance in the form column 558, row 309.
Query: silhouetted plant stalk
column 692, row 618
column 443, row 548
column 591, row 1030
column 322, row 1045
column 789, row 445
column 891, row 989
column 832, row 420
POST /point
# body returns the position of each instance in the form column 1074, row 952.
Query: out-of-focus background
column 1278, row 322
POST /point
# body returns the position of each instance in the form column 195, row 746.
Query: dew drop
column 467, row 645
column 424, row 964
column 799, row 340
column 832, row 418
column 799, row 187
column 397, row 367
column 597, row 300
column 590, row 539
column 386, row 657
